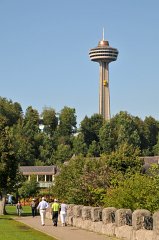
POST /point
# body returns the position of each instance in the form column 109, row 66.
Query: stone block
column 78, row 222
column 77, row 211
column 156, row 222
column 97, row 227
column 69, row 220
column 155, row 236
column 86, row 213
column 108, row 215
column 96, row 214
column 108, row 229
column 144, row 235
column 88, row 225
column 124, row 232
column 122, row 216
column 138, row 218
column 70, row 210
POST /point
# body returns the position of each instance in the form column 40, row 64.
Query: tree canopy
column 95, row 160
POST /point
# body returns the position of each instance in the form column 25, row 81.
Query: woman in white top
column 63, row 213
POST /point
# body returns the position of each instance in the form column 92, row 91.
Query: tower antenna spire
column 103, row 33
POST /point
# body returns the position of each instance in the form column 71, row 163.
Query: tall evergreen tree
column 49, row 121
column 11, row 111
column 90, row 128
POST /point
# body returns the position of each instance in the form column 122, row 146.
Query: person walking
column 42, row 206
column 63, row 213
column 55, row 212
column 19, row 208
column 33, row 207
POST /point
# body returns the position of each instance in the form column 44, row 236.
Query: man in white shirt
column 43, row 205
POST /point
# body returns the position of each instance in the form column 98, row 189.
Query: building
column 44, row 174
column 104, row 54
column 148, row 161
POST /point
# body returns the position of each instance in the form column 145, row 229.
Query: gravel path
column 62, row 233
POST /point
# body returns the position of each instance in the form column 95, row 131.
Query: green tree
column 23, row 147
column 95, row 179
column 12, row 112
column 29, row 188
column 107, row 138
column 62, row 154
column 33, row 146
column 156, row 147
column 49, row 120
column 47, row 148
column 135, row 192
column 125, row 159
column 29, row 133
column 8, row 162
column 126, row 129
column 83, row 181
column 151, row 133
column 31, row 122
column 67, row 182
column 121, row 129
column 90, row 128
column 144, row 142
column 67, row 122
column 79, row 145
column 94, row 149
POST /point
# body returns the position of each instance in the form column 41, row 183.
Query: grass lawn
column 11, row 210
column 13, row 230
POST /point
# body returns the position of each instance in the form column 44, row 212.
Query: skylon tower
column 104, row 54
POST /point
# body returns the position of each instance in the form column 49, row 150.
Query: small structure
column 148, row 161
column 151, row 159
column 44, row 174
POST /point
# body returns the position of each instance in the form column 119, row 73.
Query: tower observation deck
column 104, row 54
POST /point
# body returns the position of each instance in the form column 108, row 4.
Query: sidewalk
column 62, row 233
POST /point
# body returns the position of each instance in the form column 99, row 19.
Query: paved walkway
column 62, row 233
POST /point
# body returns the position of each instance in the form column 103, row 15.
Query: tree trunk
column 2, row 204
column 2, row 207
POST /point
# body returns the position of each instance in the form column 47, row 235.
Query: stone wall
column 121, row 223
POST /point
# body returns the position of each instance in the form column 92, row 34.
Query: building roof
column 38, row 170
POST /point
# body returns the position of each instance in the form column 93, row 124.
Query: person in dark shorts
column 33, row 207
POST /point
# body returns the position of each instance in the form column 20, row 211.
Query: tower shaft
column 104, row 94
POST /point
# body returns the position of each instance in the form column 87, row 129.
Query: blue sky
column 44, row 61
